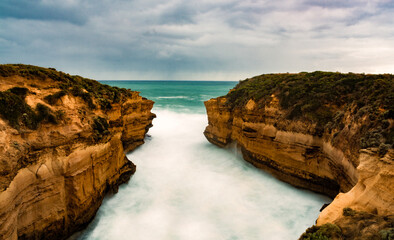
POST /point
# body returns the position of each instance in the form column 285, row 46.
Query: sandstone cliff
column 334, row 139
column 62, row 148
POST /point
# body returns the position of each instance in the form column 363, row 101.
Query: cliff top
column 18, row 81
column 327, row 99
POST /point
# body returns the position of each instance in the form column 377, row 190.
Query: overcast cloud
column 198, row 39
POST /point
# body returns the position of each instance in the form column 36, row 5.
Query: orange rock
column 291, row 151
column 54, row 179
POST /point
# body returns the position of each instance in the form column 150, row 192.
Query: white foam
column 188, row 189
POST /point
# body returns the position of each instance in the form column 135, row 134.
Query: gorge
column 63, row 141
column 327, row 132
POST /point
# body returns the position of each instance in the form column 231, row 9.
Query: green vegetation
column 105, row 104
column 100, row 128
column 354, row 225
column 349, row 212
column 84, row 88
column 325, row 232
column 14, row 109
column 45, row 113
column 17, row 112
column 53, row 98
column 322, row 98
column 369, row 226
column 86, row 96
column 387, row 234
column 20, row 91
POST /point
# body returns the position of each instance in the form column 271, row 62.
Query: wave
column 188, row 189
column 172, row 97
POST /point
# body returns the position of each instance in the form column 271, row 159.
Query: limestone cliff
column 62, row 148
column 337, row 145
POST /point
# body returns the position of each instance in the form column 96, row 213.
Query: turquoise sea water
column 188, row 189
column 179, row 96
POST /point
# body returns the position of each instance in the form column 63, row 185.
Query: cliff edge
column 328, row 132
column 62, row 148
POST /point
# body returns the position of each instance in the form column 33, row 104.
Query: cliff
column 328, row 132
column 62, row 148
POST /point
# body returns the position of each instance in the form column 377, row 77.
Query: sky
column 198, row 39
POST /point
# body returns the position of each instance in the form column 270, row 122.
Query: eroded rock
column 54, row 178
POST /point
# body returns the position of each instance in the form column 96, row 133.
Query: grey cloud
column 180, row 14
column 229, row 39
column 386, row 5
column 33, row 9
column 332, row 3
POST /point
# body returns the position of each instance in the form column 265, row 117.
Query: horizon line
column 157, row 80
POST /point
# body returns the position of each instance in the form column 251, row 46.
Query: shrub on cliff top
column 368, row 225
column 348, row 212
column 387, row 234
column 20, row 91
column 100, row 128
column 44, row 113
column 313, row 90
column 53, row 98
column 105, row 104
column 86, row 96
column 13, row 107
column 67, row 83
column 318, row 95
column 325, row 232
column 17, row 112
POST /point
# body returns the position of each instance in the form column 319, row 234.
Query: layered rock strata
column 329, row 162
column 55, row 174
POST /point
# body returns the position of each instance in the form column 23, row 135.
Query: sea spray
column 186, row 188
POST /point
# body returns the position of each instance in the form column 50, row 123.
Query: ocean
column 188, row 189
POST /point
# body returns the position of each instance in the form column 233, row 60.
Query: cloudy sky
column 198, row 39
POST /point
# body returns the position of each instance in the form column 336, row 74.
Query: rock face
column 55, row 175
column 329, row 162
column 301, row 159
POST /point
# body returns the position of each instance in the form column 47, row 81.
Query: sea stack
column 63, row 140
column 328, row 132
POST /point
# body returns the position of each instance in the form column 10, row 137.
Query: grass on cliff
column 17, row 112
column 86, row 89
column 353, row 225
column 362, row 225
column 100, row 128
column 317, row 96
column 52, row 99
column 325, row 232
